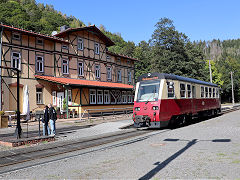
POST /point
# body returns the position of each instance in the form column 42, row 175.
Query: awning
column 84, row 83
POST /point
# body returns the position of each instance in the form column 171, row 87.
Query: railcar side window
column 182, row 90
column 194, row 91
column 189, row 91
column 213, row 94
column 210, row 92
column 217, row 93
column 202, row 92
column 170, row 86
column 206, row 92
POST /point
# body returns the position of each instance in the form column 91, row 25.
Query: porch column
column 1, row 30
column 66, row 92
column 80, row 105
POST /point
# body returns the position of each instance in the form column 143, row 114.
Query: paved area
column 206, row 150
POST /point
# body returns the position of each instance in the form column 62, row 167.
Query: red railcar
column 165, row 99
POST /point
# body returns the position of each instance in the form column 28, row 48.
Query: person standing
column 52, row 119
column 45, row 120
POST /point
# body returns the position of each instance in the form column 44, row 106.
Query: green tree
column 143, row 53
column 225, row 65
column 172, row 52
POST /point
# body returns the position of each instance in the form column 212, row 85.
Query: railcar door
column 194, row 101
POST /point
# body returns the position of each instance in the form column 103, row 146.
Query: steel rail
column 61, row 148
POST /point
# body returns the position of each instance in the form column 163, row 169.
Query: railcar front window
column 148, row 91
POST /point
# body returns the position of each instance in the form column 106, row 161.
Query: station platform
column 66, row 129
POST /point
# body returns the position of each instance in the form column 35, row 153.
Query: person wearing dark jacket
column 52, row 119
column 45, row 120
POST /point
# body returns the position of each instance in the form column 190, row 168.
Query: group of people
column 50, row 115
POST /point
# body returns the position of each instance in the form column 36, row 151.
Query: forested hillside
column 168, row 50
column 224, row 57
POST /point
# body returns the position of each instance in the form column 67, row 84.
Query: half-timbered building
column 71, row 69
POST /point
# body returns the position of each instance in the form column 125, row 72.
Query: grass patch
column 221, row 154
column 236, row 161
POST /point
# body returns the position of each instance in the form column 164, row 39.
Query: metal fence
column 106, row 112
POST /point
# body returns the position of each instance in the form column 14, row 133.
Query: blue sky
column 135, row 19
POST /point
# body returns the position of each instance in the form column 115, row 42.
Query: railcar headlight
column 155, row 107
column 137, row 108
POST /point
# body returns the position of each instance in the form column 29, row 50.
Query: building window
column 69, row 96
column 97, row 71
column 130, row 98
column 194, row 91
column 109, row 73
column 39, row 64
column 213, row 92
column 96, row 48
column 210, row 92
column 16, row 36
column 118, row 60
column 80, row 44
column 65, row 66
column 92, row 96
column 54, row 98
column 119, row 75
column 202, row 92
column 108, row 58
column 16, row 60
column 206, row 92
column 64, row 46
column 189, row 91
column 124, row 97
column 39, row 96
column 39, row 41
column 170, row 87
column 106, row 97
column 128, row 62
column 182, row 90
column 100, row 96
column 80, row 69
column 129, row 76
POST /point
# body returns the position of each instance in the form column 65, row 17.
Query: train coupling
column 142, row 121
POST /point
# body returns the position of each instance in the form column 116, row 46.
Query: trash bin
column 3, row 121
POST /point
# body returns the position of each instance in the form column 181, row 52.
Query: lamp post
column 18, row 127
column 233, row 102
column 210, row 71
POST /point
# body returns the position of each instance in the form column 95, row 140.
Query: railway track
column 15, row 157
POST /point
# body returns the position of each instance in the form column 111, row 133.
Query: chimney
column 63, row 28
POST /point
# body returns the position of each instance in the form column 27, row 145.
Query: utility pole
column 232, row 89
column 210, row 70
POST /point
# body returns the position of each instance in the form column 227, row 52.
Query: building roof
column 23, row 31
column 92, row 29
column 152, row 76
column 123, row 56
column 84, row 83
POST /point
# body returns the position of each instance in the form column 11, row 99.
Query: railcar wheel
column 182, row 120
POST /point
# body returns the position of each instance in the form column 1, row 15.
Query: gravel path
column 206, row 150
